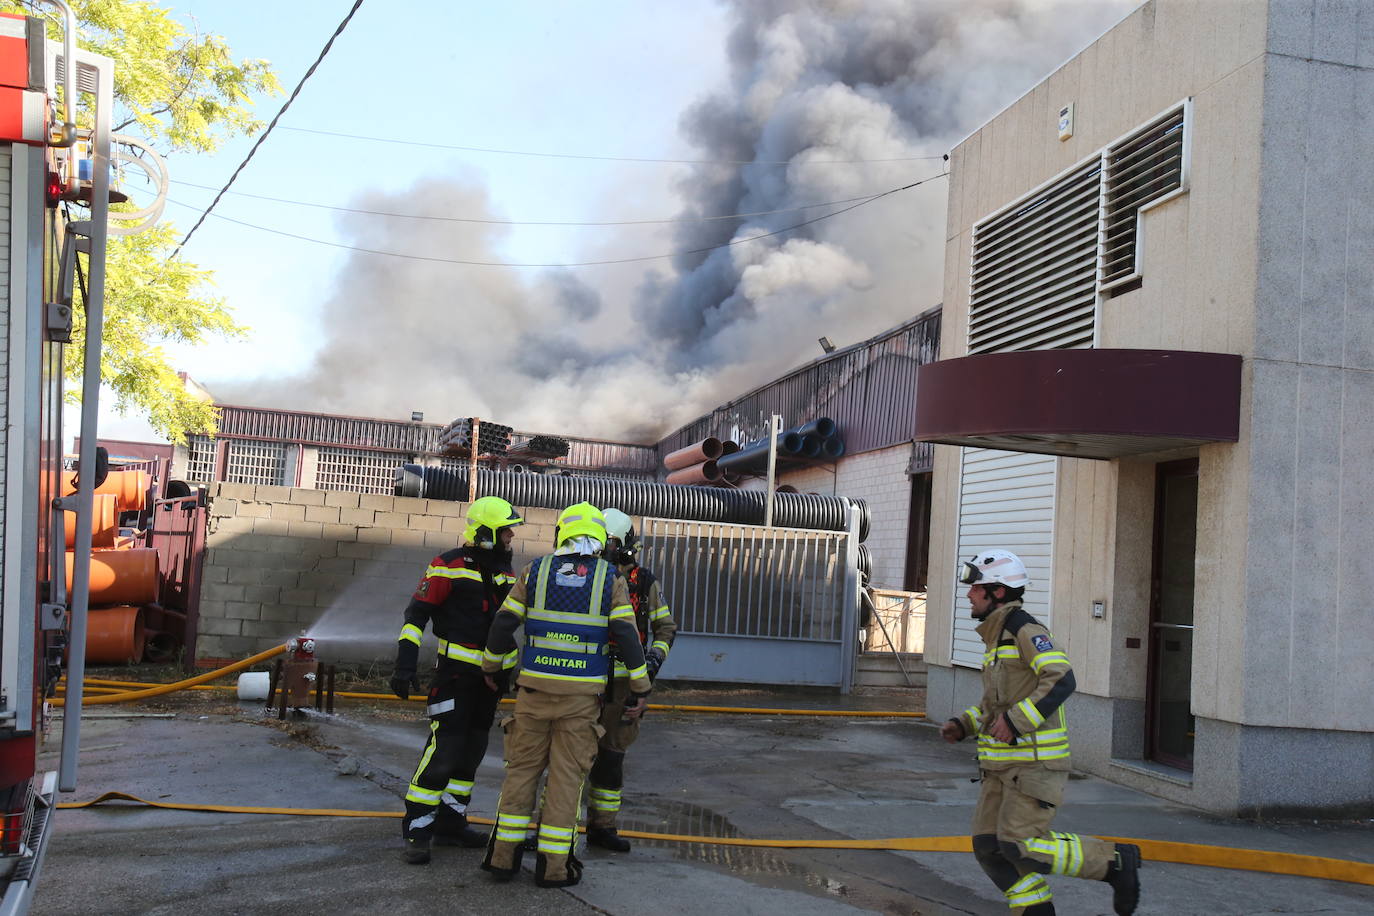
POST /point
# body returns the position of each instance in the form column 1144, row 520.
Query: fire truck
column 55, row 109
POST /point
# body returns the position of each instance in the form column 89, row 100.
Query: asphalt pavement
column 692, row 774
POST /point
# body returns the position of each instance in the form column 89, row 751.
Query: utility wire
column 511, row 222
column 263, row 136
column 517, row 152
column 651, row 257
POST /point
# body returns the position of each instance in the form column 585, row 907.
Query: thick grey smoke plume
column 814, row 85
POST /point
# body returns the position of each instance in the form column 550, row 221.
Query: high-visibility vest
column 567, row 619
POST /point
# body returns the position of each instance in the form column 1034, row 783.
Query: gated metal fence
column 757, row 605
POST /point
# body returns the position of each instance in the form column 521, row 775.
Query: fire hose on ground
column 1258, row 860
column 106, row 691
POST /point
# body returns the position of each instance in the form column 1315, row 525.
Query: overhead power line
column 263, row 136
column 652, row 257
column 539, row 155
column 512, row 222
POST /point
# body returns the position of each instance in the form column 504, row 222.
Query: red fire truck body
column 54, row 195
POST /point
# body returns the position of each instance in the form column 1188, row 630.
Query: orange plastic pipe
column 104, row 522
column 130, row 488
column 121, row 576
column 115, row 635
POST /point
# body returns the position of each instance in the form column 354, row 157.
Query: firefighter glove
column 403, row 682
column 502, row 681
column 653, row 661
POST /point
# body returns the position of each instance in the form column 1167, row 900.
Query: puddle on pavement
column 761, row 865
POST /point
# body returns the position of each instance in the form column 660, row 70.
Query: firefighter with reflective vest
column 656, row 630
column 573, row 607
column 1023, row 751
column 459, row 596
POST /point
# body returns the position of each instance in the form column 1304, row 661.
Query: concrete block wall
column 340, row 566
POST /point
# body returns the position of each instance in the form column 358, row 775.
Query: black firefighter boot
column 607, row 838
column 1040, row 909
column 457, row 832
column 502, row 874
column 573, row 868
column 416, row 851
column 1124, row 877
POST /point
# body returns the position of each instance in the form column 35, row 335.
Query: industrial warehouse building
column 1157, row 353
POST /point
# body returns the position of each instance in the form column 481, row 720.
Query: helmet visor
column 968, row 573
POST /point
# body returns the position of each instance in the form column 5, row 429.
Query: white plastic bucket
column 253, row 685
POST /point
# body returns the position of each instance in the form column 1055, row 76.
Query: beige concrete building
column 1158, row 358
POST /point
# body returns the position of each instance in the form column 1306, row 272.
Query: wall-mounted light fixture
column 826, row 345
column 416, row 416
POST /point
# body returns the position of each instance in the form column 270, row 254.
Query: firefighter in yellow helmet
column 573, row 607
column 656, row 628
column 1023, row 751
column 460, row 593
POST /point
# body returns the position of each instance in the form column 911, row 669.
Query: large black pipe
column 660, row 500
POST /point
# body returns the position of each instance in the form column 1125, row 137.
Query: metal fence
column 757, row 605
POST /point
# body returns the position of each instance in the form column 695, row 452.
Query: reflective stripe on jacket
column 1027, row 678
column 652, row 617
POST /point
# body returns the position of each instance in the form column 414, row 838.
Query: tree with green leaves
column 179, row 91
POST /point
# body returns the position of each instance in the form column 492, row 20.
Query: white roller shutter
column 1006, row 500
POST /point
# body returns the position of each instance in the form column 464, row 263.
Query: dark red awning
column 1080, row 403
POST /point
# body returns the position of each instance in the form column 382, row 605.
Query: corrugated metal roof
column 868, row 389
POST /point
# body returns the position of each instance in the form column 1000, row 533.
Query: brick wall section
column 341, row 566
column 879, row 478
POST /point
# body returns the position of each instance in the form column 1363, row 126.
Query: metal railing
column 756, row 604
column 747, row 580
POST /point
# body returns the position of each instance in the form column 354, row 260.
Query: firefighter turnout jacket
column 653, row 620
column 1026, row 677
column 458, row 597
column 573, row 607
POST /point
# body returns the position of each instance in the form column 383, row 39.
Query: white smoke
column 815, row 85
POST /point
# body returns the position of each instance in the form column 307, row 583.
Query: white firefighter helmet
column 993, row 567
column 620, row 526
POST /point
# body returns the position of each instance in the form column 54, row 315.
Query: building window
column 1041, row 264
column 357, row 470
column 251, row 461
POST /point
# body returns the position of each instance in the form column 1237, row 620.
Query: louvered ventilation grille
column 1140, row 170
column 1034, row 270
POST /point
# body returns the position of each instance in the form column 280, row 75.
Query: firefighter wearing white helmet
column 1023, row 751
column 573, row 606
column 458, row 597
column 656, row 631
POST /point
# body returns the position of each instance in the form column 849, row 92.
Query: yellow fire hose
column 116, row 691
column 1258, row 860
column 129, row 696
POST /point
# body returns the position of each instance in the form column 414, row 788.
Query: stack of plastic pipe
column 697, row 464
column 124, row 574
column 816, row 440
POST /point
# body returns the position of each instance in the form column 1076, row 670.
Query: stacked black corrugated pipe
column 658, row 500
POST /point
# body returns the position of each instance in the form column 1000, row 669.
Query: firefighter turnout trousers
column 1012, row 840
column 461, row 711
column 608, row 773
column 557, row 732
